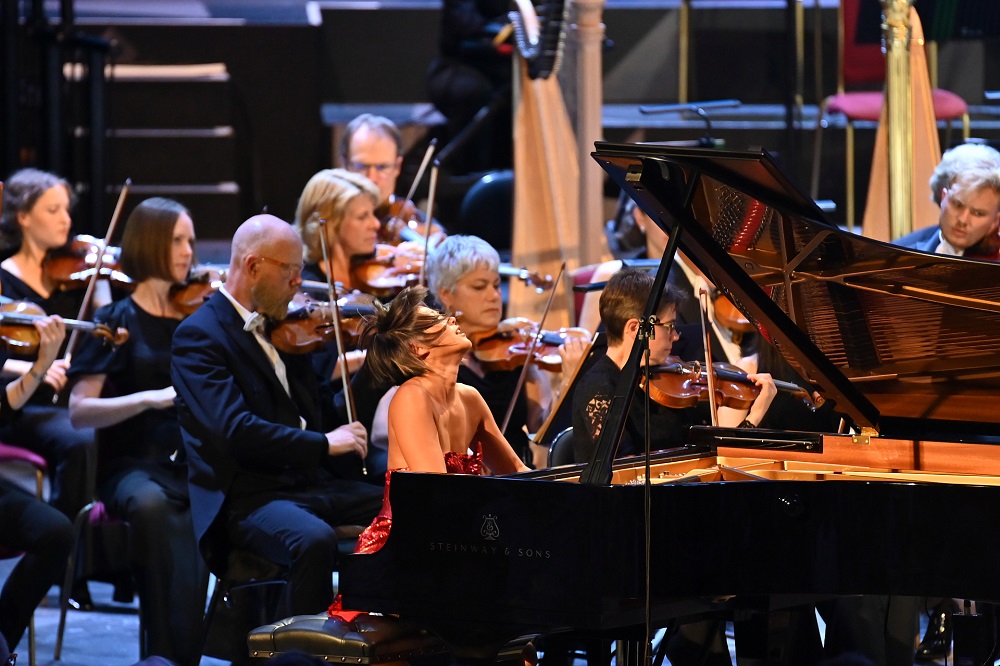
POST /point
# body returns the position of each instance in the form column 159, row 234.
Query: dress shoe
column 79, row 597
column 937, row 639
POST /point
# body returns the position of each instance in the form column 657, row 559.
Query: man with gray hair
column 966, row 185
column 268, row 470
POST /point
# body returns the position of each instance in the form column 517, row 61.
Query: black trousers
column 297, row 530
column 167, row 569
column 45, row 536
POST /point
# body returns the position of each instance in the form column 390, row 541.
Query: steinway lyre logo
column 489, row 530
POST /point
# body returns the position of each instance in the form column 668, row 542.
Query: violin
column 678, row 385
column 506, row 348
column 202, row 282
column 403, row 221
column 729, row 317
column 72, row 265
column 386, row 273
column 310, row 326
column 19, row 336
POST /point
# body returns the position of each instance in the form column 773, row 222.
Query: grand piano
column 739, row 521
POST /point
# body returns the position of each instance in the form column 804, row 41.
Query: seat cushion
column 857, row 105
column 368, row 639
column 948, row 105
column 868, row 105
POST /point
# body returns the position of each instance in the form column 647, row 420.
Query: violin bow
column 428, row 223
column 531, row 353
column 423, row 167
column 335, row 311
column 709, row 368
column 92, row 283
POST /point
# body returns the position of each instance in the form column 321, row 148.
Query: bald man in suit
column 270, row 469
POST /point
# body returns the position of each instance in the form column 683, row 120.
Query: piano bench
column 369, row 639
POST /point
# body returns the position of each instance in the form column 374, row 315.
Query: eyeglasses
column 287, row 270
column 667, row 326
column 361, row 167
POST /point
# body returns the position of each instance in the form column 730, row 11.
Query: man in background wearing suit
column 966, row 185
column 268, row 471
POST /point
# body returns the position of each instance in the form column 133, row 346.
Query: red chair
column 20, row 457
column 94, row 515
column 580, row 276
column 863, row 66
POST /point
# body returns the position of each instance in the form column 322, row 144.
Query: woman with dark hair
column 35, row 222
column 126, row 393
column 435, row 424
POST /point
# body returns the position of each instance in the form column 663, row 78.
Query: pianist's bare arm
column 497, row 452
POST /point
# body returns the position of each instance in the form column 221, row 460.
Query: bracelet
column 39, row 377
column 747, row 423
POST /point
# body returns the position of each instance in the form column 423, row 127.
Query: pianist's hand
column 350, row 438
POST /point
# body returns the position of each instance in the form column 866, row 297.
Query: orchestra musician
column 966, row 186
column 27, row 524
column 621, row 306
column 270, row 470
column 372, row 146
column 463, row 275
column 36, row 221
column 125, row 393
column 728, row 344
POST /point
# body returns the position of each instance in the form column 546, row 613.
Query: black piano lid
column 905, row 342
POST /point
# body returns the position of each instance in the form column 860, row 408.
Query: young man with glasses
column 622, row 303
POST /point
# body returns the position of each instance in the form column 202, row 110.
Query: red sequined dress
column 375, row 534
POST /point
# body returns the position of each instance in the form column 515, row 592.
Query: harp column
column 586, row 38
column 899, row 114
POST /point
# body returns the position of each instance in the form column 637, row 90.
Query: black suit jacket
column 241, row 430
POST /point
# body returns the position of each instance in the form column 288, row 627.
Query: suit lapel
column 248, row 348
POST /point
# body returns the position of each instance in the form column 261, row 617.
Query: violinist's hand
column 161, row 398
column 572, row 352
column 350, row 438
column 51, row 333
column 767, row 392
column 408, row 252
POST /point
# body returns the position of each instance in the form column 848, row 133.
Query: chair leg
column 31, row 640
column 206, row 622
column 817, row 150
column 849, row 140
column 78, row 527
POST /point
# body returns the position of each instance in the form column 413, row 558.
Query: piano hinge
column 864, row 437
